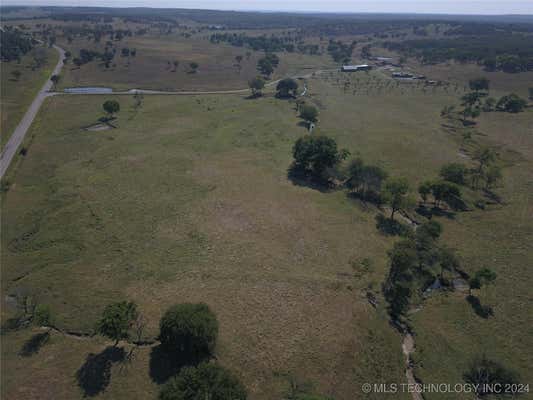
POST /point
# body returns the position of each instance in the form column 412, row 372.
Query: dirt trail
column 408, row 347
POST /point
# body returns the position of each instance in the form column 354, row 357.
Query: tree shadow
column 95, row 374
column 390, row 227
column 165, row 363
column 34, row 344
column 300, row 177
column 481, row 310
column 303, row 124
column 428, row 212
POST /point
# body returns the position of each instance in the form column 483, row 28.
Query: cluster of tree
column 415, row 263
column 506, row 52
column 287, row 87
column 267, row 64
column 488, row 377
column 86, row 56
column 268, row 44
column 188, row 334
column 317, row 156
column 341, row 52
column 14, row 44
column 441, row 191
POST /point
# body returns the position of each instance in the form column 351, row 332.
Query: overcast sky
column 395, row 6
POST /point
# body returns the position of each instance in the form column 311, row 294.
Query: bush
column 207, row 381
column 511, row 103
column 189, row 330
column 454, row 172
column 117, row 320
column 488, row 373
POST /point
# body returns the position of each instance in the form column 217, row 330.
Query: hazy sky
column 405, row 6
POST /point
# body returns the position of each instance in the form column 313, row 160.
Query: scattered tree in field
column 194, row 67
column 189, row 331
column 482, row 277
column 485, row 374
column 265, row 67
column 448, row 261
column 16, row 74
column 424, row 189
column 42, row 316
column 55, row 80
column 315, row 154
column 395, row 194
column 207, row 381
column 479, row 84
column 117, row 319
column 286, row 88
column 111, row 107
column 309, row 113
column 530, row 90
column 445, row 191
column 493, row 175
column 257, row 84
column 366, row 180
column 454, row 172
column 511, row 103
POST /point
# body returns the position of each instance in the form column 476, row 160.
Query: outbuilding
column 355, row 68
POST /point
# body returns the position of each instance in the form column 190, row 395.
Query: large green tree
column 287, row 87
column 117, row 319
column 207, row 381
column 256, row 84
column 111, row 107
column 317, row 153
column 395, row 194
column 189, row 331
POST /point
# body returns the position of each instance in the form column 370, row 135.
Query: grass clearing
column 17, row 95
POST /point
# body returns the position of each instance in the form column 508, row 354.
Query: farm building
column 354, row 68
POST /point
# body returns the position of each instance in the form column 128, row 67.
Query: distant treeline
column 14, row 44
column 268, row 44
column 505, row 52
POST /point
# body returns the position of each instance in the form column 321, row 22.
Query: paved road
column 17, row 137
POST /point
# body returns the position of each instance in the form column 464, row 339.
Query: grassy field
column 188, row 200
column 152, row 67
column 17, row 95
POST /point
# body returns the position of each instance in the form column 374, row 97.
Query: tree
column 445, row 191
column 189, row 330
column 287, row 87
column 489, row 105
column 479, row 84
column 484, row 156
column 485, row 374
column 207, row 381
column 264, row 65
column 493, row 175
column 395, row 194
column 317, row 153
column 424, row 189
column 16, row 74
column 55, row 79
column 176, row 63
column 117, row 320
column 42, row 316
column 511, row 103
column 448, row 261
column 308, row 113
column 530, row 90
column 454, row 172
column 482, row 277
column 111, row 107
column 194, row 67
column 365, row 179
column 256, row 85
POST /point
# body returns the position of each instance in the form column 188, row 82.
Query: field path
column 19, row 133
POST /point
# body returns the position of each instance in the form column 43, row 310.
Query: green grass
column 152, row 66
column 17, row 95
column 188, row 200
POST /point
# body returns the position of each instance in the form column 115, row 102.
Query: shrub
column 117, row 319
column 189, row 330
column 206, row 381
column 454, row 172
